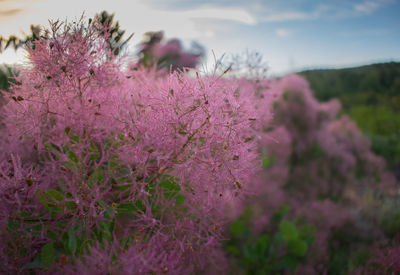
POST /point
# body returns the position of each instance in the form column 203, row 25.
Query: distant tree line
column 371, row 96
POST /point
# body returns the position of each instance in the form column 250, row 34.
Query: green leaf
column 52, row 235
column 36, row 263
column 289, row 262
column 52, row 147
column 111, row 164
column 97, row 176
column 180, row 199
column 233, row 249
column 72, row 243
column 297, row 247
column 72, row 156
column 267, row 162
column 84, row 249
column 278, row 239
column 74, row 139
column 94, row 151
column 47, row 254
column 307, row 233
column 169, row 186
column 288, row 230
column 71, row 205
column 13, row 225
column 262, row 245
column 140, row 205
column 70, row 165
column 50, row 198
column 126, row 208
column 54, row 194
column 284, row 209
column 237, row 228
column 106, row 230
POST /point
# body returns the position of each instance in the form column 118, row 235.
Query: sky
column 291, row 35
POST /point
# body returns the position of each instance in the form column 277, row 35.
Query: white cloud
column 370, row 6
column 340, row 11
column 287, row 16
column 282, row 32
column 231, row 14
column 209, row 34
column 10, row 56
column 134, row 16
column 367, row 7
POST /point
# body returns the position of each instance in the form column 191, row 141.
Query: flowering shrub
column 330, row 153
column 321, row 166
column 385, row 261
column 168, row 55
column 104, row 170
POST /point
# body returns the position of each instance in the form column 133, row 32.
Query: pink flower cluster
column 122, row 171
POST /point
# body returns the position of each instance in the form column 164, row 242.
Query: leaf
column 233, row 249
column 126, row 208
column 289, row 262
column 84, row 249
column 71, row 205
column 50, row 198
column 262, row 245
column 297, row 247
column 54, row 194
column 111, row 164
column 237, row 228
column 288, row 230
column 72, row 240
column 180, row 199
column 72, row 156
column 284, row 209
column 106, row 230
column 140, row 205
column 74, row 139
column 52, row 147
column 97, row 176
column 47, row 254
column 70, row 165
column 13, row 225
column 267, row 162
column 36, row 263
column 307, row 233
column 94, row 151
column 109, row 213
column 169, row 186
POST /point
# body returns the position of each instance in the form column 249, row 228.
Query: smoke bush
column 385, row 261
column 322, row 167
column 104, row 170
column 328, row 152
column 169, row 55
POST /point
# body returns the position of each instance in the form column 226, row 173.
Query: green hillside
column 371, row 96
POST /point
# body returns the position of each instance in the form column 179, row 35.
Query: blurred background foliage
column 370, row 95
